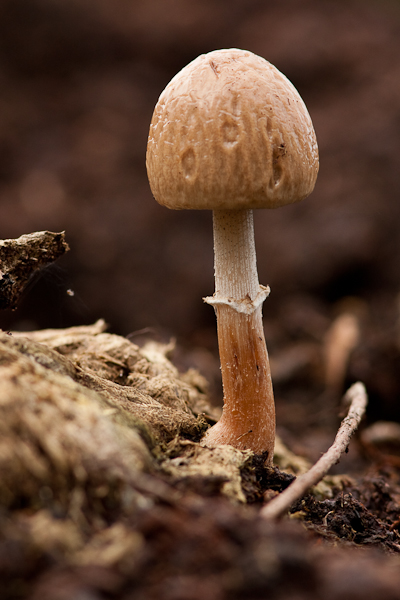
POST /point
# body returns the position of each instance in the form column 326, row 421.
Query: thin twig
column 356, row 396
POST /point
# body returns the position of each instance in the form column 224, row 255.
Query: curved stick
column 356, row 396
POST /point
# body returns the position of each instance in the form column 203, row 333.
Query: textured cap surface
column 231, row 132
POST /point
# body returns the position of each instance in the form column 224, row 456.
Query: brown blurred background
column 78, row 83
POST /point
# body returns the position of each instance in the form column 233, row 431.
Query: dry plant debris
column 21, row 257
column 357, row 398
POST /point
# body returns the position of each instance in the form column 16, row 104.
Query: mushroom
column 230, row 133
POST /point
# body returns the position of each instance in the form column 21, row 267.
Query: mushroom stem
column 248, row 417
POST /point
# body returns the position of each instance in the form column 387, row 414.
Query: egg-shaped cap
column 231, row 132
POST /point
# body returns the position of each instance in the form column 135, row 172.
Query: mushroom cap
column 231, row 132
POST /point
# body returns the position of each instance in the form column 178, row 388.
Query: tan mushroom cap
column 231, row 132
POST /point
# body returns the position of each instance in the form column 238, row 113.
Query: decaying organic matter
column 125, row 394
column 21, row 257
column 105, row 489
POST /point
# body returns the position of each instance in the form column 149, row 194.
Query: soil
column 105, row 491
